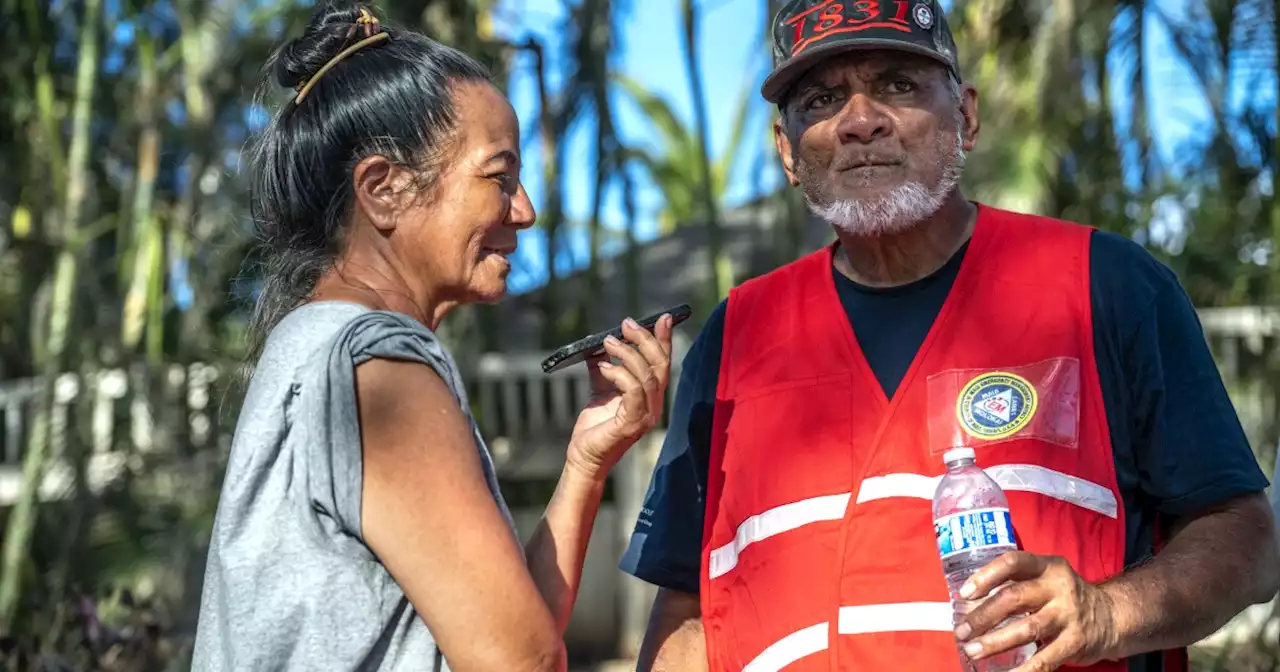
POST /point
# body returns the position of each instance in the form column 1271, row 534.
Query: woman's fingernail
column 963, row 632
column 611, row 340
column 967, row 590
column 667, row 320
column 631, row 323
column 973, row 649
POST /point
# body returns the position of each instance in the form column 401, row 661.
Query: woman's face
column 464, row 236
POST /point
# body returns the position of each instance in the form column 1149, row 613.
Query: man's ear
column 783, row 144
column 380, row 187
column 972, row 124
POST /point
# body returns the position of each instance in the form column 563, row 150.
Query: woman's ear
column 380, row 188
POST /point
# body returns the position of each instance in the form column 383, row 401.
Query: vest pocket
column 980, row 408
column 788, row 443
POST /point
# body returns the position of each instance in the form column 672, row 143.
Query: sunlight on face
column 876, row 140
column 469, row 232
column 898, row 209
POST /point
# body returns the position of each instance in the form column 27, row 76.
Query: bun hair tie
column 369, row 21
column 373, row 34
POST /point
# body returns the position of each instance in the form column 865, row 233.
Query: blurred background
column 125, row 279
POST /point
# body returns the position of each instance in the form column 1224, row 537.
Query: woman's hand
column 626, row 400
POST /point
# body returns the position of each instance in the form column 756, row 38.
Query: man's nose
column 862, row 120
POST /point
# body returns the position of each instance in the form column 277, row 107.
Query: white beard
column 900, row 209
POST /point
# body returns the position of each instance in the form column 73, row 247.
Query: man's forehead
column 868, row 63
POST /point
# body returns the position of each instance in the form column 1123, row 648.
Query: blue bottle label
column 974, row 530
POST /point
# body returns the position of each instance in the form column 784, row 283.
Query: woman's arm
column 428, row 515
column 558, row 546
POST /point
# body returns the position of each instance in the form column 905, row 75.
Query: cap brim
column 782, row 78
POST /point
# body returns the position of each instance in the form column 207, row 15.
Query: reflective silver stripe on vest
column 1016, row 477
column 776, row 521
column 859, row 620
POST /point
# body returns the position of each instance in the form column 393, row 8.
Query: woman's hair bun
column 327, row 33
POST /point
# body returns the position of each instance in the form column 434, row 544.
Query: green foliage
column 674, row 169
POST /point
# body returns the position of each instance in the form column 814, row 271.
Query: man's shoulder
column 1118, row 264
column 1028, row 219
column 1127, row 283
column 782, row 274
column 1115, row 256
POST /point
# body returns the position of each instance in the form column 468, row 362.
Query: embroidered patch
column 923, row 16
column 996, row 405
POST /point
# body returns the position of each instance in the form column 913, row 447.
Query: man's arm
column 1215, row 565
column 674, row 641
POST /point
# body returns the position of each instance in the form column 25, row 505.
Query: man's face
column 876, row 139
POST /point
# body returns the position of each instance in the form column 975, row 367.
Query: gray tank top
column 290, row 584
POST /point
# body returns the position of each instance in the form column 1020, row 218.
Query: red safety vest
column 818, row 546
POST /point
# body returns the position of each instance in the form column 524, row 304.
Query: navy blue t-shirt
column 1178, row 445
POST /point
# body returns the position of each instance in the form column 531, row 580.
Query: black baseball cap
column 807, row 31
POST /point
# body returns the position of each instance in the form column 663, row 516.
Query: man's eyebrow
column 813, row 85
column 909, row 68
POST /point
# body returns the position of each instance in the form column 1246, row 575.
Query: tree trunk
column 1275, row 170
column 632, row 259
column 606, row 151
column 551, row 181
column 144, row 243
column 22, row 519
column 720, row 269
column 202, row 55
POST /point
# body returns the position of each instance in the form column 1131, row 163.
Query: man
column 788, row 522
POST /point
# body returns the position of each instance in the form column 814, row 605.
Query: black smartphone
column 579, row 351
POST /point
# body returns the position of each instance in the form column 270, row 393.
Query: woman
column 360, row 524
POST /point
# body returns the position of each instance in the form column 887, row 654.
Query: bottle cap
column 958, row 454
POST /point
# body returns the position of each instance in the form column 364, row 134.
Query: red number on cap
column 801, row 21
column 831, row 17
column 867, row 11
column 901, row 16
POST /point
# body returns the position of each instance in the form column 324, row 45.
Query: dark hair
column 392, row 98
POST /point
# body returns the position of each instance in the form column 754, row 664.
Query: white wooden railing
column 113, row 414
column 525, row 415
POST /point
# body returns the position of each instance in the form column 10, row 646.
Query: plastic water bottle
column 973, row 527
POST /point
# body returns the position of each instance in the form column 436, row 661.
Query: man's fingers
column 1012, row 600
column 1038, row 626
column 1012, row 566
column 1051, row 657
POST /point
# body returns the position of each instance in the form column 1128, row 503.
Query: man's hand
column 1071, row 620
column 1216, row 563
